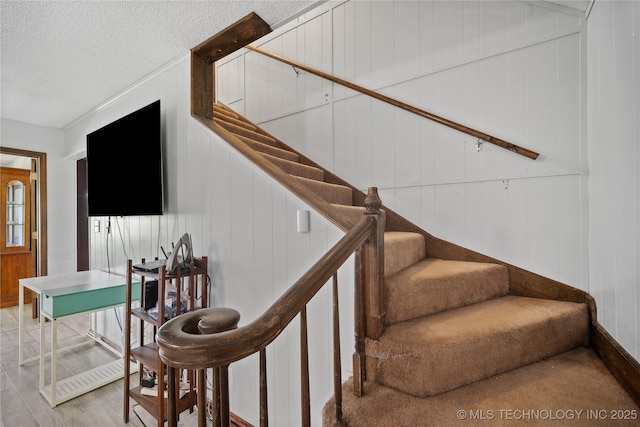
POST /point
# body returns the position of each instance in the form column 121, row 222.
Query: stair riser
column 270, row 149
column 297, row 169
column 330, row 192
column 237, row 122
column 221, row 111
column 433, row 286
column 402, row 250
column 435, row 360
column 245, row 132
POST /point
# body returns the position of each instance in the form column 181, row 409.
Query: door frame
column 40, row 189
column 82, row 226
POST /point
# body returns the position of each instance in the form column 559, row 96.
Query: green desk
column 66, row 295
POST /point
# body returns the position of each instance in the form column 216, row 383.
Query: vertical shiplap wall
column 512, row 69
column 614, row 167
column 245, row 223
column 518, row 70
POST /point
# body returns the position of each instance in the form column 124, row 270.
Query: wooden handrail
column 181, row 348
column 209, row 337
column 446, row 122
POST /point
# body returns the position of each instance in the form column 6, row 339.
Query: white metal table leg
column 54, row 360
column 42, row 352
column 20, row 324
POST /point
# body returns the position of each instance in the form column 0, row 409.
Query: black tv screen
column 124, row 165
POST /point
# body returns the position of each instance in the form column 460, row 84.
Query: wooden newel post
column 374, row 268
column 369, row 284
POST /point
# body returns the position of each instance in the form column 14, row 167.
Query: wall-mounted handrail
column 446, row 122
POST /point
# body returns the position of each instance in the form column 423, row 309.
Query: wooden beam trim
column 621, row 364
column 236, row 36
column 202, row 86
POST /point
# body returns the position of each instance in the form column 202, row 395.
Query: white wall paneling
column 518, row 70
column 614, row 168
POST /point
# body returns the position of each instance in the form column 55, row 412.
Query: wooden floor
column 21, row 404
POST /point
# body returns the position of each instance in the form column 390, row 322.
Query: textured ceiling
column 61, row 59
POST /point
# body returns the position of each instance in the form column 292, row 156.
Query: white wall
column 513, row 69
column 614, row 167
column 517, row 70
column 61, row 189
column 245, row 223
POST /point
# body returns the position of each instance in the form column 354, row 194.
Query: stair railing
column 209, row 337
column 481, row 136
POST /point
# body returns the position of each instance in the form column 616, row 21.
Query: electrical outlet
column 96, row 226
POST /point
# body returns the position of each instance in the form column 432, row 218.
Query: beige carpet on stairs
column 435, row 285
column 458, row 350
column 571, row 389
column 437, row 353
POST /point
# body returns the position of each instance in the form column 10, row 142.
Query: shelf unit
column 190, row 285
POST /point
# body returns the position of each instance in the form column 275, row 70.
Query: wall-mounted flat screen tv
column 124, row 165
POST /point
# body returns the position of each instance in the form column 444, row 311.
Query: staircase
column 459, row 348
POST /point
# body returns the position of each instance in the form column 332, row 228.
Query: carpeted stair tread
column 332, row 193
column 238, row 122
column 270, row 149
column 435, row 285
column 223, row 113
column 239, row 130
column 221, row 110
column 569, row 382
column 402, row 249
column 437, row 353
column 295, row 168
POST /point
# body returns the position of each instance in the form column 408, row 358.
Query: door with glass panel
column 15, row 238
